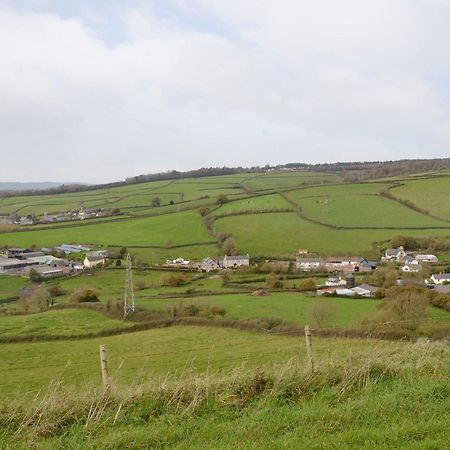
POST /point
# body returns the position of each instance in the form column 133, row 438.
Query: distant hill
column 11, row 186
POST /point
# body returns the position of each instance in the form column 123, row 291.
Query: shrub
column 55, row 291
column 176, row 280
column 204, row 211
column 140, row 285
column 308, row 284
column 273, row 281
column 221, row 199
column 85, row 295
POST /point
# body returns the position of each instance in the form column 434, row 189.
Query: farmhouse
column 232, row 262
column 347, row 264
column 94, row 261
column 395, row 254
column 13, row 265
column 427, row 258
column 440, row 278
column 411, row 268
column 209, row 264
column 365, row 290
column 308, row 264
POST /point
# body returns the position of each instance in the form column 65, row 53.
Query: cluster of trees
column 191, row 309
column 38, row 297
column 430, row 243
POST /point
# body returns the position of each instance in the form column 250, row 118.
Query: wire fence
column 215, row 355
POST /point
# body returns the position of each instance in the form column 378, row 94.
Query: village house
column 347, row 264
column 209, row 264
column 412, row 267
column 395, row 254
column 94, row 261
column 232, row 262
column 440, row 278
column 307, row 264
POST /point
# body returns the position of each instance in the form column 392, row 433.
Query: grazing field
column 57, row 323
column 280, row 235
column 430, row 195
column 177, row 229
column 10, row 286
column 359, row 206
column 260, row 203
column 293, row 307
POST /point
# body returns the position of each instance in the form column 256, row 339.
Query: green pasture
column 58, row 322
column 10, row 286
column 288, row 306
column 350, row 208
column 170, row 229
column 178, row 352
column 281, row 234
column 432, row 195
column 259, row 203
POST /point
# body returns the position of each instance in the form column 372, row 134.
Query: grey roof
column 445, row 289
column 237, row 257
column 426, row 257
column 393, row 251
column 6, row 262
column 367, row 287
column 441, row 276
column 310, row 260
column 95, row 258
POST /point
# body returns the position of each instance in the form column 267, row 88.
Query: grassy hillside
column 201, row 388
column 329, row 216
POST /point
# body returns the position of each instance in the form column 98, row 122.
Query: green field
column 59, row 323
column 179, row 229
column 261, row 203
column 10, row 286
column 293, row 307
column 359, row 207
column 280, row 235
column 430, row 195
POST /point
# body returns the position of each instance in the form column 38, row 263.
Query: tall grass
column 59, row 410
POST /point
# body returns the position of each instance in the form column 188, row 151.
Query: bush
column 140, row 285
column 308, row 284
column 204, row 211
column 221, row 199
column 322, row 312
column 55, row 291
column 273, row 281
column 85, row 295
column 176, row 280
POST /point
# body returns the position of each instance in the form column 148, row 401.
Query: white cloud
column 265, row 82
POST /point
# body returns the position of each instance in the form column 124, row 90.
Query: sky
column 95, row 91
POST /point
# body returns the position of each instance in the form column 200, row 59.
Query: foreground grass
column 396, row 396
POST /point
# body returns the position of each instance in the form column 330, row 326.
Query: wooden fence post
column 104, row 365
column 309, row 349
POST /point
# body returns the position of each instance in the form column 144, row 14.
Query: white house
column 411, row 268
column 395, row 254
column 440, row 278
column 232, row 262
column 308, row 264
column 94, row 261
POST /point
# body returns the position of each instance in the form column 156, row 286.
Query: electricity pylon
column 128, row 304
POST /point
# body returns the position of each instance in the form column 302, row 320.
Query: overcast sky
column 95, row 91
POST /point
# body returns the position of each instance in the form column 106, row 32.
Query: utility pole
column 128, row 304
